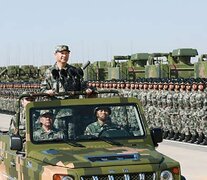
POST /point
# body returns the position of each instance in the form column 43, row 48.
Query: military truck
column 126, row 150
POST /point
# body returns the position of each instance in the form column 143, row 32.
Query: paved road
column 4, row 121
column 193, row 158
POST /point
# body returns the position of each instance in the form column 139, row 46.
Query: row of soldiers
column 178, row 106
column 9, row 93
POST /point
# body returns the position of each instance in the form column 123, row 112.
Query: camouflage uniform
column 65, row 122
column 181, row 111
column 199, row 97
column 186, row 98
column 170, row 98
column 170, row 110
column 22, row 122
column 150, row 115
column 167, row 126
column 149, row 97
column 182, row 122
column 52, row 133
column 201, row 123
column 41, row 135
column 159, row 94
column 154, row 96
column 181, row 99
column 176, row 119
column 68, row 81
column 186, row 119
column 193, row 124
column 164, row 97
column 158, row 119
column 121, row 86
column 125, row 92
column 203, row 128
column 157, row 102
column 119, row 115
column 96, row 128
column 143, row 97
column 131, row 120
column 193, row 99
column 152, row 111
column 134, row 93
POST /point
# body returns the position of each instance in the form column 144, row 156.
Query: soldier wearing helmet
column 47, row 130
column 103, row 121
column 13, row 125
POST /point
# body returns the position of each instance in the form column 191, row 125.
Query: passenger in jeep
column 47, row 130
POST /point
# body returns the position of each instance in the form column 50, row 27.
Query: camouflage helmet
column 44, row 112
column 64, row 113
column 102, row 108
column 28, row 98
column 25, row 92
column 60, row 48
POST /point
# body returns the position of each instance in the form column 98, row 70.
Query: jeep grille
column 132, row 176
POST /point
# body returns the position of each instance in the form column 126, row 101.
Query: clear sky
column 98, row 29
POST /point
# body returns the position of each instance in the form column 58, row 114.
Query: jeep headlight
column 166, row 175
column 62, row 177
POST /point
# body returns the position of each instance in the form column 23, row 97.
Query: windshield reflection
column 73, row 123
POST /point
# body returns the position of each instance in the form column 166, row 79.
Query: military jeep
column 126, row 151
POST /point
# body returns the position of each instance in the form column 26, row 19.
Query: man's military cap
column 44, row 112
column 102, row 108
column 61, row 48
column 64, row 113
column 29, row 98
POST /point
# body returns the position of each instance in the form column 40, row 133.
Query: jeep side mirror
column 157, row 135
column 16, row 142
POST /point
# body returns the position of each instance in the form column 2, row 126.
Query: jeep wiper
column 93, row 137
column 110, row 141
column 73, row 143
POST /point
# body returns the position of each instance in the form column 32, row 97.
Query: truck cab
column 126, row 150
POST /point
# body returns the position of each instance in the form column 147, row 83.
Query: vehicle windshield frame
column 92, row 138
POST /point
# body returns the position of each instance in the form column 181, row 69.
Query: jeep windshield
column 85, row 122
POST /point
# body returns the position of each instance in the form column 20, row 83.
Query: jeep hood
column 97, row 157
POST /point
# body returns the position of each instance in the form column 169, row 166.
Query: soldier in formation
column 176, row 105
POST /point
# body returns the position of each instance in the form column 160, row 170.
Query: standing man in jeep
column 62, row 77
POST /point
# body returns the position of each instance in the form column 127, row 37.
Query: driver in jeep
column 102, row 121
